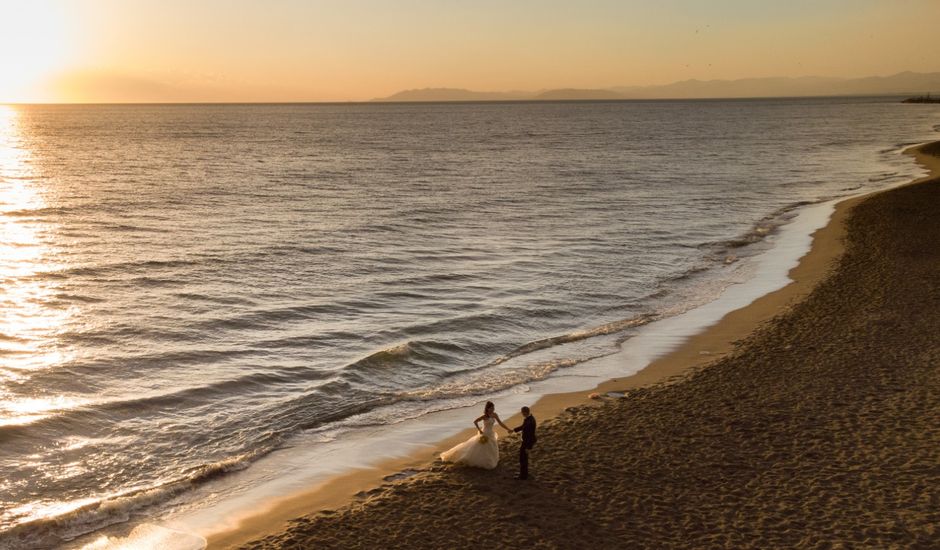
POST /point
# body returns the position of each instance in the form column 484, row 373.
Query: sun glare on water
column 34, row 46
column 27, row 324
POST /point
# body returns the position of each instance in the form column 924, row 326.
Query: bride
column 480, row 451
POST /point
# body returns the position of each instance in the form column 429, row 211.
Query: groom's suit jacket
column 528, row 432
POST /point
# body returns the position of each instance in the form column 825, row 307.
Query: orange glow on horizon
column 319, row 50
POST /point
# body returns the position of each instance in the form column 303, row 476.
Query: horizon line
column 442, row 101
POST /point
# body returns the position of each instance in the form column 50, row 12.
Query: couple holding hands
column 481, row 450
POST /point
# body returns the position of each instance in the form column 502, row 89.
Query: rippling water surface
column 186, row 287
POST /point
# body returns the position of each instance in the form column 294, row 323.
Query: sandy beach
column 807, row 419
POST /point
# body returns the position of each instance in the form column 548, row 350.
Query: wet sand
column 819, row 427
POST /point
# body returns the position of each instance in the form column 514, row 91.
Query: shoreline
column 714, row 343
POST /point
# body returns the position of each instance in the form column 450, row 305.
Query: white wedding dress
column 473, row 452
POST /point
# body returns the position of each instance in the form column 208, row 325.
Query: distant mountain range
column 905, row 83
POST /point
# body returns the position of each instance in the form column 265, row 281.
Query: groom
column 528, row 441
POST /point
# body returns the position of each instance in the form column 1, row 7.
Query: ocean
column 185, row 289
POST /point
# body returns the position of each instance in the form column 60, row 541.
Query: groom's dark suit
column 528, row 441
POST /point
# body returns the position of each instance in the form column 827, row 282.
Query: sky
column 352, row 50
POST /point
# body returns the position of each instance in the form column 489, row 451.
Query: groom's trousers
column 523, row 462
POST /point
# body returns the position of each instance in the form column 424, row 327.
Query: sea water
column 185, row 289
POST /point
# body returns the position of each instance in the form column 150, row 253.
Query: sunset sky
column 310, row 50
